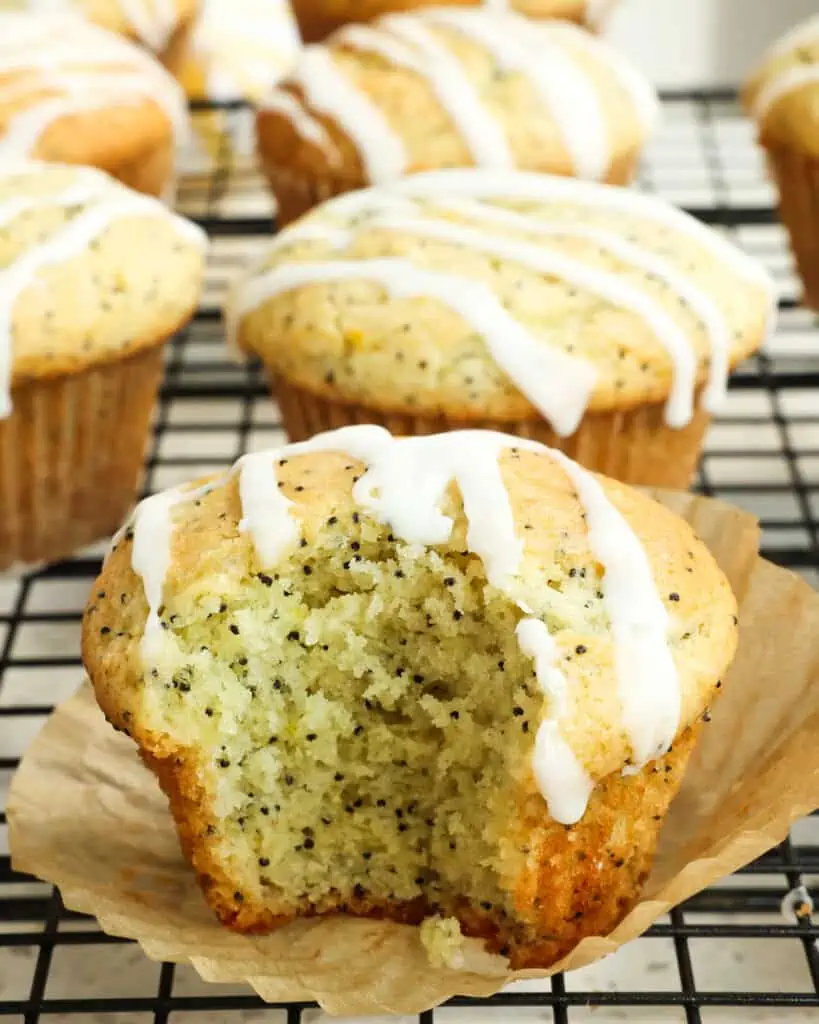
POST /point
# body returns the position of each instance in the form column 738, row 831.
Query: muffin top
column 603, row 601
column 239, row 48
column 319, row 17
column 150, row 23
column 89, row 270
column 503, row 294
column 783, row 94
column 72, row 92
column 457, row 87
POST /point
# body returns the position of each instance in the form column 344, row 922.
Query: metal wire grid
column 726, row 955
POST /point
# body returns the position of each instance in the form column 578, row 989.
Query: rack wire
column 726, row 955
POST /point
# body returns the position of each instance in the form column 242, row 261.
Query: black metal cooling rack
column 728, row 954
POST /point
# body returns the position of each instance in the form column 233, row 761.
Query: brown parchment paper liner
column 86, row 815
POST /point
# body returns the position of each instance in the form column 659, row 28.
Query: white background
column 686, row 43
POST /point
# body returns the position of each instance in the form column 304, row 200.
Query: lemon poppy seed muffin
column 71, row 92
column 582, row 315
column 161, row 26
column 318, row 18
column 450, row 87
column 783, row 97
column 93, row 279
column 454, row 675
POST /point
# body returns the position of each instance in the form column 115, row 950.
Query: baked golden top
column 783, row 93
column 149, row 22
column 72, row 92
column 89, row 270
column 503, row 294
column 456, row 87
column 357, row 548
column 319, row 17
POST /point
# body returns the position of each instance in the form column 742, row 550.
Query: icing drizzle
column 403, row 487
column 791, row 77
column 541, row 51
column 67, row 66
column 105, row 202
column 557, row 384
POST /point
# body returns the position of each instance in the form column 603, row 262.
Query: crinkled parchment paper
column 86, row 815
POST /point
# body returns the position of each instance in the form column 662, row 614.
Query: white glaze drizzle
column 404, row 486
column 701, row 304
column 432, row 60
column 516, row 43
column 564, row 88
column 604, row 284
column 793, row 78
column 529, row 187
column 554, row 382
column 332, row 93
column 309, row 127
column 562, row 780
column 638, row 88
column 86, row 66
column 108, row 201
column 153, row 21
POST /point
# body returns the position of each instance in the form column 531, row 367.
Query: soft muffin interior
column 362, row 717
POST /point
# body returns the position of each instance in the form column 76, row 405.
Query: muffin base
column 635, row 446
column 797, row 178
column 297, row 192
column 71, row 455
column 561, row 899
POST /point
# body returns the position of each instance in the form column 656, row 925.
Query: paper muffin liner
column 297, row 192
column 797, row 179
column 636, row 446
column 71, row 455
column 86, row 815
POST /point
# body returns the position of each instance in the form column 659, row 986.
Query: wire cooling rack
column 728, row 954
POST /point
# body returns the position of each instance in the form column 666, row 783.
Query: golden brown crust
column 318, row 18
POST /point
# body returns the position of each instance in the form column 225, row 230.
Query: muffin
column 589, row 317
column 318, row 18
column 450, row 87
column 93, row 279
column 71, row 92
column 783, row 97
column 454, row 676
column 161, row 26
column 239, row 49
